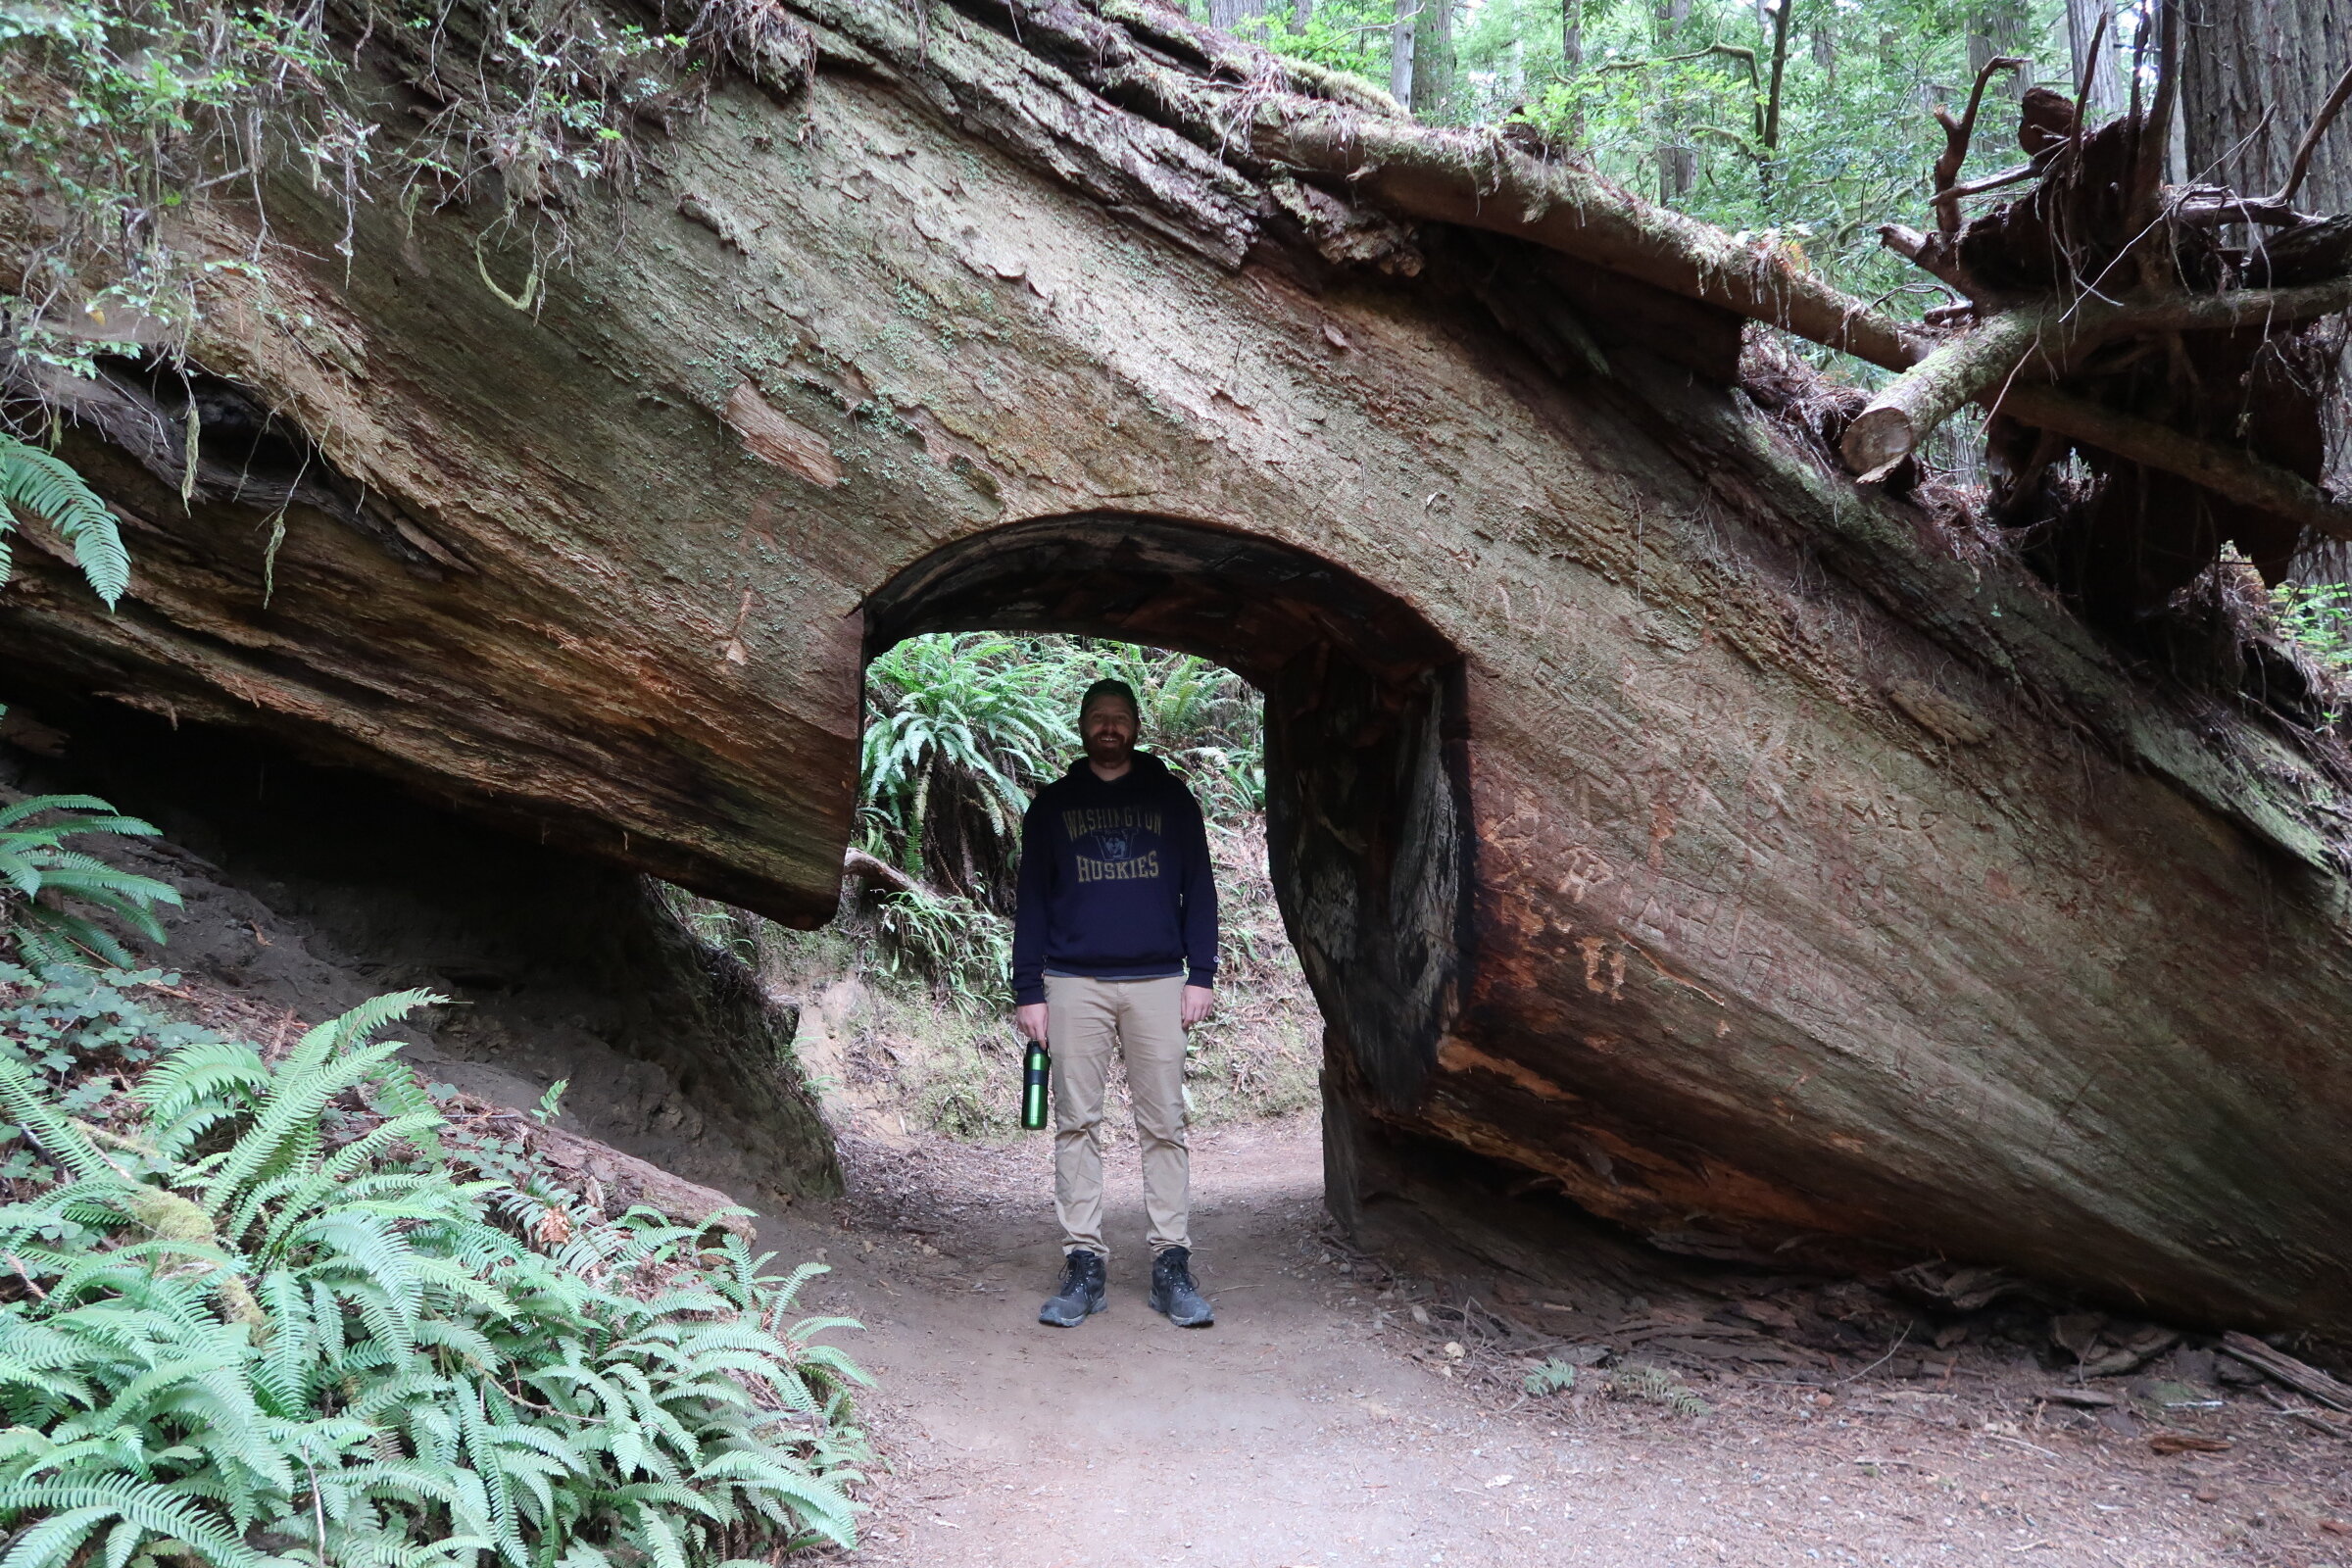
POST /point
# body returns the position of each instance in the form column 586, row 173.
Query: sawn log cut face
column 1654, row 810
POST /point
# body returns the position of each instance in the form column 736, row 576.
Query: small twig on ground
column 1879, row 1362
column 2309, row 1418
column 2018, row 1442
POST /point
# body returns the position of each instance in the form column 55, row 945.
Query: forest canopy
column 1806, row 120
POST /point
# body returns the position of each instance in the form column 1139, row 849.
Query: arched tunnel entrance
column 1368, row 806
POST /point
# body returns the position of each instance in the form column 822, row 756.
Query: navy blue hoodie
column 1115, row 881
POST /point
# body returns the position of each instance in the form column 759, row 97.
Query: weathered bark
column 2255, row 74
column 1898, row 418
column 1433, row 85
column 1403, row 31
column 2258, row 73
column 1654, row 810
column 2092, row 38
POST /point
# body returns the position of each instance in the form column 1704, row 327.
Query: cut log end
column 1877, row 443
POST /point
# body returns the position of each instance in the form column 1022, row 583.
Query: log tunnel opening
column 1368, row 824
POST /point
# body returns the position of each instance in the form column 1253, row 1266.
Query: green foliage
column 1854, row 144
column 51, row 897
column 2317, row 618
column 1657, row 1385
column 115, row 114
column 1552, row 1377
column 41, row 485
column 1653, row 1385
column 959, row 722
column 110, row 112
column 962, row 728
column 963, row 948
column 277, row 1313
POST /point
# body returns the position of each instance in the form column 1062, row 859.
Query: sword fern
column 265, row 1314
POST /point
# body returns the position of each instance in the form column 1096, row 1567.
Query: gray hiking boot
column 1081, row 1293
column 1174, row 1293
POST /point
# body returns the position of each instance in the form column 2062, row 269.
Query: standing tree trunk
column 1825, row 40
column 1227, row 15
column 2106, row 82
column 2001, row 27
column 2253, row 75
column 1432, row 61
column 1400, row 49
column 1572, row 60
column 1780, row 71
column 1678, row 159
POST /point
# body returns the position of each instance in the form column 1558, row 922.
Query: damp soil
column 1323, row 1422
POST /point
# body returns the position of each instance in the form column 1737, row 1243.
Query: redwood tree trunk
column 1757, row 858
column 1226, row 15
column 2098, row 71
column 2253, row 76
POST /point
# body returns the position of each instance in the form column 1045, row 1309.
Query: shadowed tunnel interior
column 1367, row 817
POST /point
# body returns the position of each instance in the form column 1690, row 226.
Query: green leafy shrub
column 959, row 729
column 49, row 894
column 2317, row 618
column 963, row 948
column 286, row 1311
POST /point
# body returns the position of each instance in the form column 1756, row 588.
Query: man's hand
column 1199, row 1002
column 1030, row 1019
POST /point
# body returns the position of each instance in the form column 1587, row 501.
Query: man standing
column 1115, row 940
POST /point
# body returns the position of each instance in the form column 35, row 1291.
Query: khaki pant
column 1145, row 1019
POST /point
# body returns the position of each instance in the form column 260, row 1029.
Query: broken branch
column 2302, row 1377
column 1478, row 180
column 2053, row 339
column 860, row 867
column 2090, row 70
column 1957, row 133
column 2203, row 205
column 1895, row 422
column 2237, row 475
column 2156, row 129
column 2007, row 176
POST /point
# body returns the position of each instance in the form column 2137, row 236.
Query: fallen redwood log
column 1757, row 858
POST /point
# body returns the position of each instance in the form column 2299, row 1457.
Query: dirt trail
column 1315, row 1424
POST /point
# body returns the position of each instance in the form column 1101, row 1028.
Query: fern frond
column 46, row 487
column 151, row 1506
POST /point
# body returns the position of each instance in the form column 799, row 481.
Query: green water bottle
column 1033, row 1087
